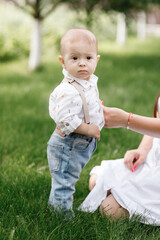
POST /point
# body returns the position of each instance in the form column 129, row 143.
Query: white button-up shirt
column 65, row 104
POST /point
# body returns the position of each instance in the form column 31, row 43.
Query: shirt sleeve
column 65, row 104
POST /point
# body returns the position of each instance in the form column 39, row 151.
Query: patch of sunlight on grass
column 11, row 67
column 133, row 46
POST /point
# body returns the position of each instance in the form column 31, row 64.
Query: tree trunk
column 141, row 26
column 121, row 29
column 35, row 46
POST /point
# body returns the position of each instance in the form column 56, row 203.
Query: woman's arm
column 115, row 118
column 145, row 125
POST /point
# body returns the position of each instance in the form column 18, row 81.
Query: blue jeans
column 67, row 155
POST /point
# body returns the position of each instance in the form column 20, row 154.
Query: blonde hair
column 77, row 34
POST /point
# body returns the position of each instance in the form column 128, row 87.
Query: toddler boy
column 75, row 107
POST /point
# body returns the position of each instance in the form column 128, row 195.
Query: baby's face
column 80, row 58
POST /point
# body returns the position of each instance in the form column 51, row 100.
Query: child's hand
column 90, row 130
column 93, row 131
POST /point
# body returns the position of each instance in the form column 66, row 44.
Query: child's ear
column 98, row 57
column 61, row 60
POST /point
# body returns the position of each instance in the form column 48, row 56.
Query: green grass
column 128, row 78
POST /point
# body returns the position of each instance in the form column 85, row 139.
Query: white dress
column 138, row 192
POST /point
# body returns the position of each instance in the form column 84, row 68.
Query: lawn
column 128, row 78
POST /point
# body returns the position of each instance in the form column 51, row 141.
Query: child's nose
column 82, row 62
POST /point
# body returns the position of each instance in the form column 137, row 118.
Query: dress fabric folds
column 138, row 191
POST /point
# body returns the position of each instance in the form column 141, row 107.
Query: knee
column 92, row 181
column 109, row 207
column 105, row 209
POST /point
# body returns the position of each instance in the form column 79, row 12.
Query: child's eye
column 74, row 58
column 88, row 58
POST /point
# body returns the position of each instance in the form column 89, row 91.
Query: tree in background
column 87, row 5
column 125, row 8
column 39, row 10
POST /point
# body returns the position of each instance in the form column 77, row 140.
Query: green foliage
column 110, row 5
column 128, row 78
column 16, row 26
column 14, row 33
column 125, row 6
column 13, row 44
column 37, row 9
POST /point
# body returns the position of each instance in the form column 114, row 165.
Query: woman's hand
column 115, row 117
column 134, row 158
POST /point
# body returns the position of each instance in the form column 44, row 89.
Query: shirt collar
column 85, row 83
